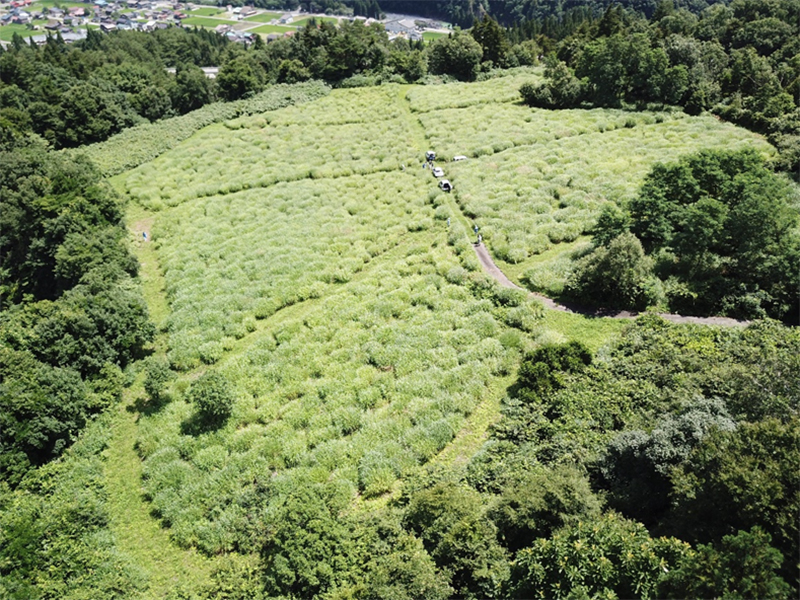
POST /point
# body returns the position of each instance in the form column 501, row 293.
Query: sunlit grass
column 206, row 11
column 456, row 95
column 305, row 255
column 265, row 17
column 531, row 198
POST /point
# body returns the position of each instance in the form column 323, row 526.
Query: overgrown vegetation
column 330, row 335
column 143, row 143
column 722, row 231
column 739, row 61
column 72, row 315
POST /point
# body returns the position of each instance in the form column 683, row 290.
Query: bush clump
column 213, row 398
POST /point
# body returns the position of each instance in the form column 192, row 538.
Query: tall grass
column 530, row 198
column 230, row 260
column 458, row 95
column 138, row 145
column 251, row 153
column 363, row 387
column 321, row 277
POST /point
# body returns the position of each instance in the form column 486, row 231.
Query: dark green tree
column 535, row 505
column 292, row 71
column 239, row 78
column 458, row 55
column 561, row 89
column 735, row 480
column 492, row 39
column 607, row 556
column 192, row 88
column 726, row 226
column 619, row 276
column 740, row 566
column 212, row 397
column 450, row 520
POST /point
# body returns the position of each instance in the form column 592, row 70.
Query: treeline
column 510, row 12
column 85, row 93
column 716, row 232
column 72, row 316
column 73, row 95
column 738, row 61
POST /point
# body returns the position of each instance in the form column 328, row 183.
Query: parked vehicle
column 438, row 172
column 430, row 156
column 459, row 157
column 446, row 185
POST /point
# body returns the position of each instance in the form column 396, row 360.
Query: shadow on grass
column 197, row 425
column 144, row 405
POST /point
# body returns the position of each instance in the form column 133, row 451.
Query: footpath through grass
column 137, row 533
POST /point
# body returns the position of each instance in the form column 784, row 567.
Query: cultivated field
column 252, row 152
column 306, row 256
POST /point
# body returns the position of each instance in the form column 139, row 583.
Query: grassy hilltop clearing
column 340, row 403
column 306, row 256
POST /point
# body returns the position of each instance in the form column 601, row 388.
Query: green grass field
column 207, row 11
column 265, row 17
column 430, row 36
column 40, row 4
column 303, row 22
column 208, row 22
column 305, row 254
column 267, row 29
column 7, row 31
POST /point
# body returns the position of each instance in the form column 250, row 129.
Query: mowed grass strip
column 208, row 22
column 7, row 31
column 206, row 11
column 267, row 29
column 305, row 21
column 430, row 36
column 264, row 17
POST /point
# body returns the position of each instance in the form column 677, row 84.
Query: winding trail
column 492, row 269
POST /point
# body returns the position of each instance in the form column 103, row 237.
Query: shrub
column 620, row 276
column 157, row 376
column 212, row 398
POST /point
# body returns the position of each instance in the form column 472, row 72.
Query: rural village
column 36, row 20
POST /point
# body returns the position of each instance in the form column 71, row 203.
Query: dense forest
column 663, row 464
column 740, row 62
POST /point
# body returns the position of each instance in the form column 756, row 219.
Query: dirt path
column 500, row 277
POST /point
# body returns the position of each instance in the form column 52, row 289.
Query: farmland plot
column 491, row 128
column 231, row 259
column 250, row 153
column 360, row 388
column 528, row 198
column 359, row 105
column 459, row 95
